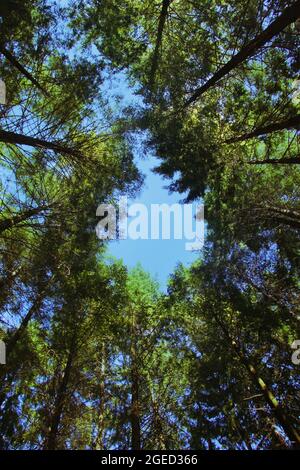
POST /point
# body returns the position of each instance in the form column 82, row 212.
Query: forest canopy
column 97, row 355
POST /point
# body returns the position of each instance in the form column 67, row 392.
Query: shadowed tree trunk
column 6, row 284
column 98, row 444
column 274, row 161
column 289, row 16
column 158, row 426
column 10, row 222
column 161, row 25
column 35, row 308
column 15, row 338
column 291, row 123
column 285, row 216
column 11, row 58
column 135, row 389
column 51, row 441
column 277, row 410
column 282, row 418
column 20, row 139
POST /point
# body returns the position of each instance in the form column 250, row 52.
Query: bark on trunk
column 20, row 139
column 99, row 445
column 282, row 418
column 275, row 161
column 51, row 441
column 156, row 54
column 11, row 222
column 291, row 123
column 277, row 410
column 24, row 323
column 288, row 16
column 11, row 58
column 11, row 343
column 286, row 216
column 158, row 427
column 6, row 284
column 135, row 389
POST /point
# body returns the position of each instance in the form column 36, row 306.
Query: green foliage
column 98, row 357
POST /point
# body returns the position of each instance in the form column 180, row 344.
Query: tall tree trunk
column 156, row 54
column 98, row 444
column 291, row 123
column 288, row 16
column 10, row 222
column 156, row 418
column 158, row 426
column 6, row 285
column 283, row 211
column 288, row 217
column 135, row 388
column 12, row 59
column 277, row 410
column 11, row 343
column 51, row 441
column 282, row 419
column 36, row 306
column 276, row 161
column 20, row 139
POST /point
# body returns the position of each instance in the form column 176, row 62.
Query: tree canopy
column 97, row 356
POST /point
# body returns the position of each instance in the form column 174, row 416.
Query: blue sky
column 158, row 257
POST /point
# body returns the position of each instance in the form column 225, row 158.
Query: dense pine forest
column 98, row 356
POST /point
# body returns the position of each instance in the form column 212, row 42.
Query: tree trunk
column 98, row 444
column 270, row 399
column 11, row 58
column 11, row 222
column 278, row 412
column 288, row 16
column 20, row 139
column 135, row 389
column 291, row 123
column 6, row 285
column 158, row 426
column 51, row 441
column 161, row 25
column 286, row 216
column 10, row 345
column 274, row 161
